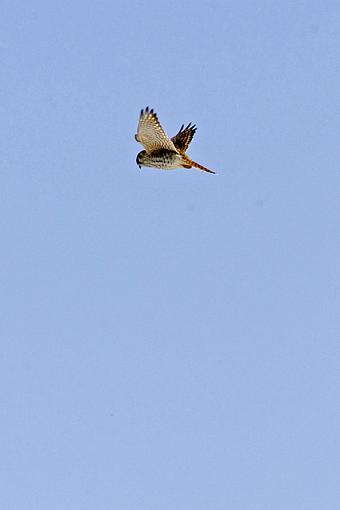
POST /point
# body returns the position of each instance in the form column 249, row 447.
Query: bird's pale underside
column 161, row 151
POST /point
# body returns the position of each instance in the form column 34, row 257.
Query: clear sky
column 170, row 340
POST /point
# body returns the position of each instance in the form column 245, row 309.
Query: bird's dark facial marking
column 138, row 158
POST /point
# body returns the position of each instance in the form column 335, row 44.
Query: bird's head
column 140, row 158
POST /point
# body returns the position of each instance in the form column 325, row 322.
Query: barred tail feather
column 201, row 167
column 188, row 163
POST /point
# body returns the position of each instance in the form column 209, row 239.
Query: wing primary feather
column 151, row 134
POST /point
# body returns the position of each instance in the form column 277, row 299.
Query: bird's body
column 162, row 158
column 161, row 151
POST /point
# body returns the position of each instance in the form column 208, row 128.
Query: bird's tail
column 190, row 163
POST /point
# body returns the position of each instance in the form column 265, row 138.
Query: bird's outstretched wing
column 151, row 134
column 183, row 138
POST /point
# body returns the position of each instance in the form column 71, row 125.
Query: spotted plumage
column 160, row 150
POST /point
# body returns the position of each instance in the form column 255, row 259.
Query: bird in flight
column 160, row 150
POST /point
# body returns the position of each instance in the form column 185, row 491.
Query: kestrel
column 160, row 150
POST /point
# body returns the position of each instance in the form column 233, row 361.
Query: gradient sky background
column 170, row 340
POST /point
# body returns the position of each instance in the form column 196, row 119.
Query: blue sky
column 170, row 340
